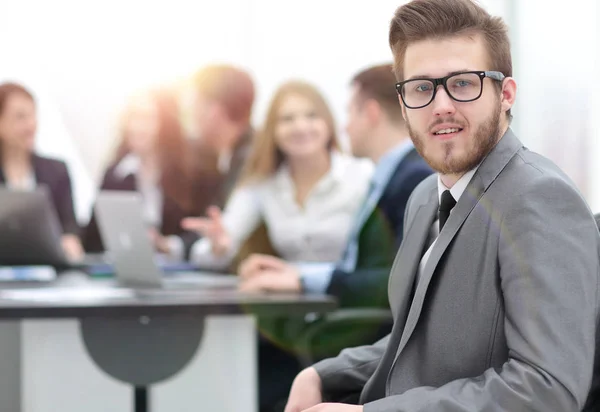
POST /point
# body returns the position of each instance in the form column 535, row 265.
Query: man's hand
column 267, row 273
column 305, row 392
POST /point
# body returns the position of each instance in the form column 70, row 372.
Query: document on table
column 65, row 294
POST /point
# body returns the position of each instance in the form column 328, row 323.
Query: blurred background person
column 377, row 131
column 360, row 278
column 22, row 169
column 151, row 159
column 222, row 100
column 305, row 191
column 296, row 181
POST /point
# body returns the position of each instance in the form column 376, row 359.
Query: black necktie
column 446, row 205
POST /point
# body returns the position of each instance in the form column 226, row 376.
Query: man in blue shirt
column 376, row 130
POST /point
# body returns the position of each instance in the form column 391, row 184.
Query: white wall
column 555, row 57
column 325, row 42
column 594, row 120
column 84, row 57
column 88, row 56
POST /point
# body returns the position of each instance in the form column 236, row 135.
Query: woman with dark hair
column 151, row 159
column 22, row 169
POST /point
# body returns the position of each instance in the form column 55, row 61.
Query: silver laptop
column 125, row 236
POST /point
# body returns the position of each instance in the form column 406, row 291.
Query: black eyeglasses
column 462, row 87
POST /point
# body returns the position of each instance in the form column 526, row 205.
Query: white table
column 46, row 364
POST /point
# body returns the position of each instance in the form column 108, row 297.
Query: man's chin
column 447, row 165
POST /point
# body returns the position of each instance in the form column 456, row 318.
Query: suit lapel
column 36, row 165
column 487, row 172
column 402, row 281
column 38, row 170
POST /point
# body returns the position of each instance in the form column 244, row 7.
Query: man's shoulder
column 531, row 181
column 529, row 170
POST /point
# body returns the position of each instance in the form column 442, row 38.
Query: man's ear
column 402, row 107
column 509, row 93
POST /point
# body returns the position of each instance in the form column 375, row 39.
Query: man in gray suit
column 494, row 290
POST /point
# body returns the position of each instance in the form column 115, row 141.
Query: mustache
column 446, row 120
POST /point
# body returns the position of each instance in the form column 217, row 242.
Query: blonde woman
column 296, row 180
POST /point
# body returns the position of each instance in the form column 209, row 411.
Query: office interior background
column 82, row 59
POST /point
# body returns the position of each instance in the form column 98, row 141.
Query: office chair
column 326, row 336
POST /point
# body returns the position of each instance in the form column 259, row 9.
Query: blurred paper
column 66, row 294
column 27, row 273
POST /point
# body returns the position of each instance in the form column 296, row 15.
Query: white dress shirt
column 314, row 232
column 456, row 191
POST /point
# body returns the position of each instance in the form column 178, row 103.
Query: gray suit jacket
column 503, row 316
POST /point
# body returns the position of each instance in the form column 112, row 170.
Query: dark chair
column 277, row 363
column 325, row 337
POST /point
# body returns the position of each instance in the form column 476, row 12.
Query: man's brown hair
column 431, row 19
column 230, row 86
column 377, row 83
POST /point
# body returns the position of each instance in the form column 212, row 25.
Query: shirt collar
column 335, row 173
column 459, row 187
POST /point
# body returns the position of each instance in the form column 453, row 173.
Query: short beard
column 486, row 137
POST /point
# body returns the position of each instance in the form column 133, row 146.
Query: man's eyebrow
column 424, row 76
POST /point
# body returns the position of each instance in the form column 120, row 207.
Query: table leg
column 140, row 399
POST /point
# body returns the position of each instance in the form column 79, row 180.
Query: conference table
column 81, row 344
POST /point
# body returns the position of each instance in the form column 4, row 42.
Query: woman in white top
column 296, row 181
